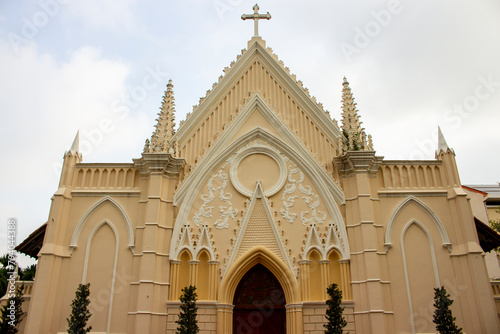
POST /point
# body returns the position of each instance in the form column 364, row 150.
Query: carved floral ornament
column 311, row 199
column 216, row 186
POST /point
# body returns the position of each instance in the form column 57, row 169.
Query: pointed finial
column 75, row 147
column 164, row 128
column 370, row 143
column 442, row 144
column 74, row 151
column 350, row 117
column 354, row 134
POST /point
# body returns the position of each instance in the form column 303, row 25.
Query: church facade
column 261, row 200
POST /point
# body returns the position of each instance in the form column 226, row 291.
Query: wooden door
column 259, row 304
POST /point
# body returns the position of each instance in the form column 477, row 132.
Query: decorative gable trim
column 185, row 243
column 333, row 242
column 289, row 84
column 324, row 247
column 258, row 195
column 313, row 242
column 205, row 243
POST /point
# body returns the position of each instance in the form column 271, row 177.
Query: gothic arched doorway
column 259, row 304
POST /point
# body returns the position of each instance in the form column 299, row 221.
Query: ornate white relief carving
column 311, row 200
column 289, row 202
column 216, row 186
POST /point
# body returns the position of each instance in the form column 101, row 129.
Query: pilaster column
column 358, row 170
column 213, row 281
column 324, row 277
column 159, row 172
column 193, row 272
column 224, row 318
column 304, row 279
column 174, row 279
column 294, row 319
column 345, row 276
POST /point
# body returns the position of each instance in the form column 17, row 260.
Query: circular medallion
column 258, row 164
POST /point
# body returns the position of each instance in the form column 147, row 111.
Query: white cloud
column 116, row 15
column 43, row 104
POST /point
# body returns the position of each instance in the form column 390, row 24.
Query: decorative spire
column 74, row 151
column 354, row 136
column 350, row 117
column 442, row 145
column 75, row 147
column 164, row 129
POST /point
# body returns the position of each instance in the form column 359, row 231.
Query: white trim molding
column 242, row 154
column 258, row 195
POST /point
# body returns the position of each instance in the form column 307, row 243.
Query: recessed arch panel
column 412, row 199
column 78, row 230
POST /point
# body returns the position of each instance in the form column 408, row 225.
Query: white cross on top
column 256, row 17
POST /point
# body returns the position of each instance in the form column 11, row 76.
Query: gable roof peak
column 257, row 52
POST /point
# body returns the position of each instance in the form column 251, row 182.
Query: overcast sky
column 101, row 67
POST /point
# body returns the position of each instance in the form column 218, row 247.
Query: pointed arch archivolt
column 437, row 222
column 78, row 230
column 285, row 277
column 330, row 193
column 268, row 259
